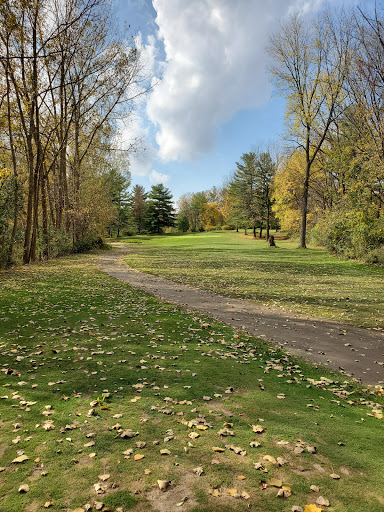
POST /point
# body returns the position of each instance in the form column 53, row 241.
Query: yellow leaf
column 312, row 508
column 20, row 459
column 217, row 449
column 232, row 492
column 274, row 482
column 138, row 456
column 241, row 477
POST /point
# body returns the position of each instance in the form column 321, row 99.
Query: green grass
column 73, row 339
column 308, row 281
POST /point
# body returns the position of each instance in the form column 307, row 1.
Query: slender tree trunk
column 14, row 165
column 254, row 230
column 304, row 206
column 304, row 209
column 44, row 214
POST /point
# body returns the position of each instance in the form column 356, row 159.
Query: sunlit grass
column 311, row 281
column 96, row 357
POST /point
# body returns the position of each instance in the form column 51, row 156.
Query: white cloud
column 214, row 66
column 158, row 177
column 135, row 133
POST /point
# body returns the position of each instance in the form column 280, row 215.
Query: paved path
column 357, row 352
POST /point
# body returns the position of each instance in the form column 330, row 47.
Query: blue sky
column 213, row 100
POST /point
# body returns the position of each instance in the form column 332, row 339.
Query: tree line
column 66, row 78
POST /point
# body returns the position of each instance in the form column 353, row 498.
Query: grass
column 93, row 358
column 310, row 281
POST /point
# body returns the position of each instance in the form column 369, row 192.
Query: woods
column 66, row 80
column 68, row 77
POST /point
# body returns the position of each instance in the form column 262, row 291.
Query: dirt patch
column 3, row 448
column 32, row 507
column 182, row 492
column 220, row 407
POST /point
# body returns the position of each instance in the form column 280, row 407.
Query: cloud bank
column 215, row 65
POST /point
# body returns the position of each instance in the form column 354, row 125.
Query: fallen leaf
column 165, row 452
column 274, row 482
column 23, row 488
column 20, row 459
column 163, row 484
column 315, row 488
column 241, row 477
column 217, row 449
column 312, row 508
column 198, row 471
column 245, row 495
column 284, row 493
column 48, row 504
column 335, row 476
column 138, row 456
column 323, row 502
column 258, row 429
column 105, row 477
column 232, row 492
column 215, row 493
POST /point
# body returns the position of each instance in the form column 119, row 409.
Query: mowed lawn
column 311, row 281
column 107, row 394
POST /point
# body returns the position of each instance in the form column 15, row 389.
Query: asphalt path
column 354, row 351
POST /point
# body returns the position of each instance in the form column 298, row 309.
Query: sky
column 212, row 99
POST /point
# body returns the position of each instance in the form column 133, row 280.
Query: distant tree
column 244, row 190
column 139, row 207
column 266, row 170
column 160, row 209
column 182, row 223
column 211, row 216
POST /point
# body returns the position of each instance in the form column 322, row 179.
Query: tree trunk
column 304, row 209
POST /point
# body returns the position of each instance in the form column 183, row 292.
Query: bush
column 87, row 244
column 352, row 234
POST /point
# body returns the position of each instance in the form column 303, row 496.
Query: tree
column 244, row 190
column 139, row 207
column 160, row 209
column 310, row 65
column 266, row 170
column 68, row 75
column 211, row 216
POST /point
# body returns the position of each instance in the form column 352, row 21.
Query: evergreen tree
column 139, row 207
column 160, row 209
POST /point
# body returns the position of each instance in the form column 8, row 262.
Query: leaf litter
column 93, row 350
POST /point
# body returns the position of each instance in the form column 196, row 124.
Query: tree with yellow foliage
column 211, row 217
column 310, row 65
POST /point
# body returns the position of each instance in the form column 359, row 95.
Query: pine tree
column 139, row 207
column 160, row 209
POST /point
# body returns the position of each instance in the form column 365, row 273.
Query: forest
column 68, row 80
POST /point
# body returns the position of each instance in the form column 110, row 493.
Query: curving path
column 355, row 351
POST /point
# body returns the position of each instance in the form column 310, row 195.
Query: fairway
column 109, row 394
column 309, row 281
